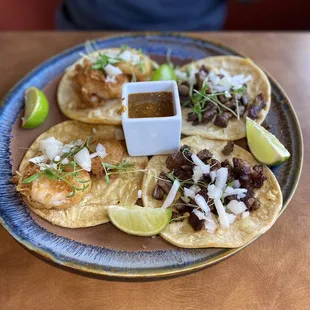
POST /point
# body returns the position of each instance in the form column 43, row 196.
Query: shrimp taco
column 72, row 172
column 90, row 90
column 217, row 93
column 219, row 195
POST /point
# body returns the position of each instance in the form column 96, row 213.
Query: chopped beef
column 192, row 117
column 204, row 155
column 139, row 202
column 215, row 164
column 228, row 148
column 164, row 182
column 204, row 69
column 222, row 120
column 250, row 201
column 183, row 174
column 200, row 77
column 266, row 125
column 158, row 193
column 227, row 199
column 241, row 166
column 183, row 90
column 241, row 110
column 209, row 114
column 204, row 193
column 195, row 222
column 222, row 98
column 231, row 174
column 177, row 160
column 205, row 178
column 245, row 99
column 182, row 207
column 258, row 176
column 257, row 106
column 230, row 104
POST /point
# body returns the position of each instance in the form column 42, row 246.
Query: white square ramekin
column 152, row 135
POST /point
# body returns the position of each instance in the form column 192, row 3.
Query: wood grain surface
column 272, row 273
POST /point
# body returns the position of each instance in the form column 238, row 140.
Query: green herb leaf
column 32, row 178
column 124, row 47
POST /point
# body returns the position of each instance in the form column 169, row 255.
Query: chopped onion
column 139, row 193
column 240, row 192
column 171, row 195
column 39, row 159
column 199, row 214
column 245, row 214
column 112, row 70
column 231, row 217
column 212, row 176
column 223, row 219
column 221, row 178
column 110, row 79
column 181, row 75
column 135, row 59
column 198, row 162
column 57, row 158
column 236, row 207
column 202, row 204
column 101, row 150
column 82, row 158
column 126, row 56
column 210, row 225
column 195, row 188
column 65, row 161
column 214, row 192
column 93, row 155
column 50, row 147
column 189, row 193
column 197, row 174
column 236, row 184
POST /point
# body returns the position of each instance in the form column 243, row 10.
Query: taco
column 218, row 92
column 72, row 172
column 90, row 90
column 217, row 200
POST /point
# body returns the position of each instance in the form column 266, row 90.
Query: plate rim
column 159, row 272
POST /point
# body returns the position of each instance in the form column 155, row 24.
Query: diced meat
column 258, row 176
column 206, row 178
column 241, row 110
column 257, row 106
column 182, row 207
column 164, row 182
column 183, row 174
column 231, row 174
column 209, row 114
column 228, row 148
column 183, row 90
column 222, row 98
column 204, row 155
column 158, row 193
column 204, row 193
column 139, row 202
column 245, row 99
column 241, row 166
column 215, row 164
column 231, row 104
column 195, row 222
column 176, row 160
column 192, row 116
column 250, row 201
column 223, row 119
column 227, row 199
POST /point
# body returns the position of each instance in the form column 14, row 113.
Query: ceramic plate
column 103, row 249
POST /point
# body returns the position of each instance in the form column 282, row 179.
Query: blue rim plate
column 17, row 220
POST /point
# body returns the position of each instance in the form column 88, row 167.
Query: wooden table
column 272, row 273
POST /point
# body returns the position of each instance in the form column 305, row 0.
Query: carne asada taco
column 219, row 195
column 90, row 90
column 218, row 92
column 72, row 172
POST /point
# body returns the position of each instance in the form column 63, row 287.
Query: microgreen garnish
column 124, row 47
column 110, row 169
column 104, row 60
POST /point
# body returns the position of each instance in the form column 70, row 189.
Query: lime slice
column 139, row 221
column 164, row 73
column 36, row 108
column 265, row 147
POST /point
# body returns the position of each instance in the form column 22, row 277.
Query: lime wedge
column 265, row 147
column 139, row 221
column 164, row 73
column 36, row 108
